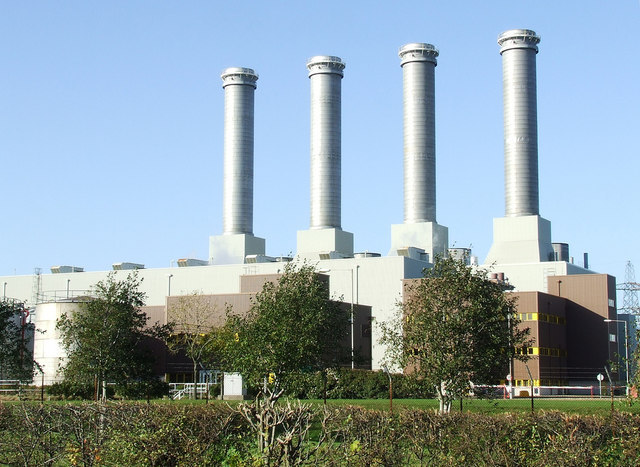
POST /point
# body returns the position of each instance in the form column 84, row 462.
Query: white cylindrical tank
column 239, row 87
column 418, row 63
column 48, row 351
column 518, row 48
column 325, row 73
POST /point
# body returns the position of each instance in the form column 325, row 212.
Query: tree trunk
column 195, row 380
column 444, row 397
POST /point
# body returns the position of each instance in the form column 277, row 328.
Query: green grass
column 574, row 406
column 583, row 406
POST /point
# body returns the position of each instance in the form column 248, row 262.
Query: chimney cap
column 239, row 75
column 518, row 39
column 326, row 64
column 418, row 52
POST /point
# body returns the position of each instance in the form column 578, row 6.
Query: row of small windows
column 547, row 318
column 538, row 382
column 544, row 351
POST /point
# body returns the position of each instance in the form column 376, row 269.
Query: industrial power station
column 565, row 305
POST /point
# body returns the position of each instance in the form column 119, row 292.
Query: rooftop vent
column 188, row 262
column 65, row 269
column 366, row 254
column 126, row 266
column 252, row 259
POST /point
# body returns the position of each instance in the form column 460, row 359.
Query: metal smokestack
column 418, row 62
column 239, row 85
column 325, row 73
column 518, row 48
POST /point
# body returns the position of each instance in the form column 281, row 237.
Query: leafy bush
column 72, row 390
column 151, row 389
column 217, row 434
column 355, row 384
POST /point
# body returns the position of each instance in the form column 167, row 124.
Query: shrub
column 217, row 434
column 71, row 390
column 151, row 389
column 345, row 383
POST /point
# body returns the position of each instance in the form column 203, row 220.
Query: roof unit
column 126, row 266
column 413, row 253
column 252, row 259
column 65, row 269
column 366, row 254
column 188, row 262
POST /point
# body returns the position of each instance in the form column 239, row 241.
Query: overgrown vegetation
column 16, row 358
column 345, row 383
column 217, row 434
column 453, row 328
column 102, row 338
column 191, row 330
column 292, row 326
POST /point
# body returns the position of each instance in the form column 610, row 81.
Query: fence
column 10, row 387
column 179, row 391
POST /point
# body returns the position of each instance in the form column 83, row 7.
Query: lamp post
column 169, row 276
column 626, row 347
column 511, row 379
column 351, row 309
column 4, row 291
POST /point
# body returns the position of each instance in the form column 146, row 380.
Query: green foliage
column 75, row 390
column 145, row 389
column 216, row 434
column 104, row 336
column 292, row 326
column 452, row 329
column 16, row 359
column 344, row 383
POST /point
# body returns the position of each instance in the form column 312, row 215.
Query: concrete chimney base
column 521, row 239
column 330, row 243
column 233, row 249
column 431, row 237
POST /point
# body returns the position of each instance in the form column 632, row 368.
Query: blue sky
column 111, row 123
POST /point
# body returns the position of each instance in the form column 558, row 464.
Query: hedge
column 216, row 434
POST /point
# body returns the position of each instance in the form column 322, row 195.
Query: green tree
column 16, row 358
column 292, row 326
column 103, row 337
column 453, row 328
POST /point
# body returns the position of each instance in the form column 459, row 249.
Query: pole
column 390, row 394
column 626, row 354
column 626, row 347
column 352, row 324
column 510, row 357
column 386, row 370
column 610, row 386
column 531, row 382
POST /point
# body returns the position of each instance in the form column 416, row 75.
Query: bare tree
column 194, row 331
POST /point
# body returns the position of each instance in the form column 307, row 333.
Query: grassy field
column 573, row 406
column 577, row 406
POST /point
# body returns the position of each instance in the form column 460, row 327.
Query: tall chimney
column 420, row 236
column 418, row 62
column 239, row 85
column 518, row 48
column 325, row 73
column 521, row 236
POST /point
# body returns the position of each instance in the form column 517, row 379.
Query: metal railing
column 179, row 391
